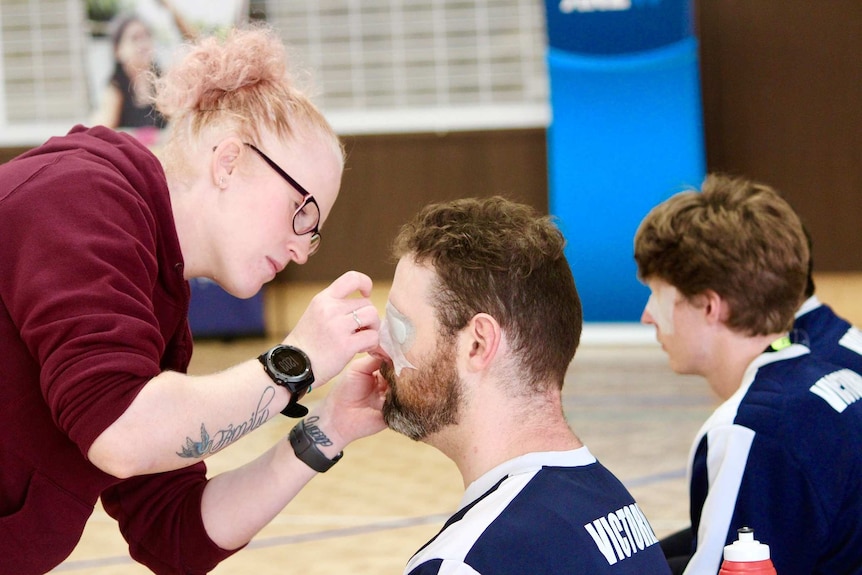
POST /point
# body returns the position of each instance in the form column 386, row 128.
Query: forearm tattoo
column 315, row 432
column 196, row 449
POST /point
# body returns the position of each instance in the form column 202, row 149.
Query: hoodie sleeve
column 80, row 285
column 160, row 518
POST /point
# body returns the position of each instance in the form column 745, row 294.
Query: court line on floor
column 386, row 525
column 277, row 541
column 655, row 478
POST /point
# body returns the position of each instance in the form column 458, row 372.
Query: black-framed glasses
column 306, row 218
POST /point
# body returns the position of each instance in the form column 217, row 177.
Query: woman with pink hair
column 98, row 242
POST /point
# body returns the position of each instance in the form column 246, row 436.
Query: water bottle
column 747, row 556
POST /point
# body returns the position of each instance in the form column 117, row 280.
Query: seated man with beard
column 481, row 324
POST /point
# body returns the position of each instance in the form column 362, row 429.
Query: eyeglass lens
column 307, row 217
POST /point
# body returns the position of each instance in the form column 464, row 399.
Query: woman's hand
column 336, row 326
column 353, row 408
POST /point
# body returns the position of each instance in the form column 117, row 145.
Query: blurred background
column 592, row 110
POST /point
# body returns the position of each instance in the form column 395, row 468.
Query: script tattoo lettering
column 315, row 432
column 195, row 449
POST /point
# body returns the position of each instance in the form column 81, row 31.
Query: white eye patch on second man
column 660, row 306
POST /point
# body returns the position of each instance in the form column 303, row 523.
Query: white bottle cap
column 746, row 548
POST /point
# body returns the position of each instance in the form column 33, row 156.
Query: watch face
column 290, row 362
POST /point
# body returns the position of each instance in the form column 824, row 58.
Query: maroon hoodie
column 93, row 305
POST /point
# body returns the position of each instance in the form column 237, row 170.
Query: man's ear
column 482, row 338
column 225, row 160
column 715, row 307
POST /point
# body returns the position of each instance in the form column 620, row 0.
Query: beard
column 423, row 401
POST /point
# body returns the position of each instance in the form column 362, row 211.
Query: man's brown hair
column 502, row 258
column 736, row 237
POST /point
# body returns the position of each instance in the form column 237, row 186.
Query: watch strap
column 306, row 449
column 294, row 410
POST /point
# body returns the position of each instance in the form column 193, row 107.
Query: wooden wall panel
column 7, row 154
column 388, row 178
column 782, row 99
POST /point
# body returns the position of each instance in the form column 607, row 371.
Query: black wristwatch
column 304, row 439
column 290, row 368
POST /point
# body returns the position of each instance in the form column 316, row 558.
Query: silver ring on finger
column 357, row 320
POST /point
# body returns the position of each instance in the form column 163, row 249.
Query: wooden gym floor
column 389, row 495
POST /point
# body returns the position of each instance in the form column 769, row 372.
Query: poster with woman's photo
column 129, row 39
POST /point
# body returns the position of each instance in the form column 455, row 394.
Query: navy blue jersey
column 783, row 457
column 544, row 514
column 828, row 335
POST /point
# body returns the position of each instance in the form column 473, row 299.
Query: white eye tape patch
column 397, row 334
column 660, row 306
